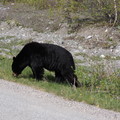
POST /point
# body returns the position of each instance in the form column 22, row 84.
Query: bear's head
column 16, row 67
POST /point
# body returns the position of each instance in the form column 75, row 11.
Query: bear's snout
column 15, row 74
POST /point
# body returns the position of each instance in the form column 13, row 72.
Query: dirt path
column 19, row 102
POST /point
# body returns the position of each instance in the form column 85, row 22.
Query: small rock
column 106, row 30
column 80, row 47
column 12, row 3
column 62, row 42
column 47, row 28
column 89, row 37
column 24, row 35
column 79, row 58
column 75, row 51
column 102, row 56
column 113, row 57
column 4, row 26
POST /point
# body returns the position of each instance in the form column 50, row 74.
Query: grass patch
column 98, row 88
column 79, row 61
column 10, row 45
column 81, row 54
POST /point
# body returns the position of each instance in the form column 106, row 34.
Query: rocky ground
column 91, row 44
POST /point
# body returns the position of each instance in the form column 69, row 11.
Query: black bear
column 49, row 56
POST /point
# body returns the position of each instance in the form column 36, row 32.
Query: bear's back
column 51, row 53
column 45, row 48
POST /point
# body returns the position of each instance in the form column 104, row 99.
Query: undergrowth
column 79, row 12
column 98, row 88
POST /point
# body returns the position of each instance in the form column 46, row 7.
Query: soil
column 91, row 44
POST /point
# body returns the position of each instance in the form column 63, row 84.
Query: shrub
column 100, row 78
column 97, row 10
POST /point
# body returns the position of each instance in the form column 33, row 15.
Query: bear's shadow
column 49, row 78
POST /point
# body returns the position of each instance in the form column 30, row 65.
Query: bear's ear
column 14, row 58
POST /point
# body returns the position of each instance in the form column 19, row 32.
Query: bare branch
column 116, row 14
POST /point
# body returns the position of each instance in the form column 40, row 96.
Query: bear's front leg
column 58, row 77
column 38, row 73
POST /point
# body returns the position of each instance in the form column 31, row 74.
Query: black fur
column 51, row 57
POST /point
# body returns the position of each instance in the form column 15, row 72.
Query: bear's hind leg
column 72, row 79
column 76, row 82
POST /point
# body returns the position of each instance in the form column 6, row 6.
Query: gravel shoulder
column 19, row 102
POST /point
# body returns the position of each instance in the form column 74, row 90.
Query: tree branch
column 116, row 14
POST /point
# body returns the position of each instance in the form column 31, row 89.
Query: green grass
column 41, row 4
column 98, row 88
